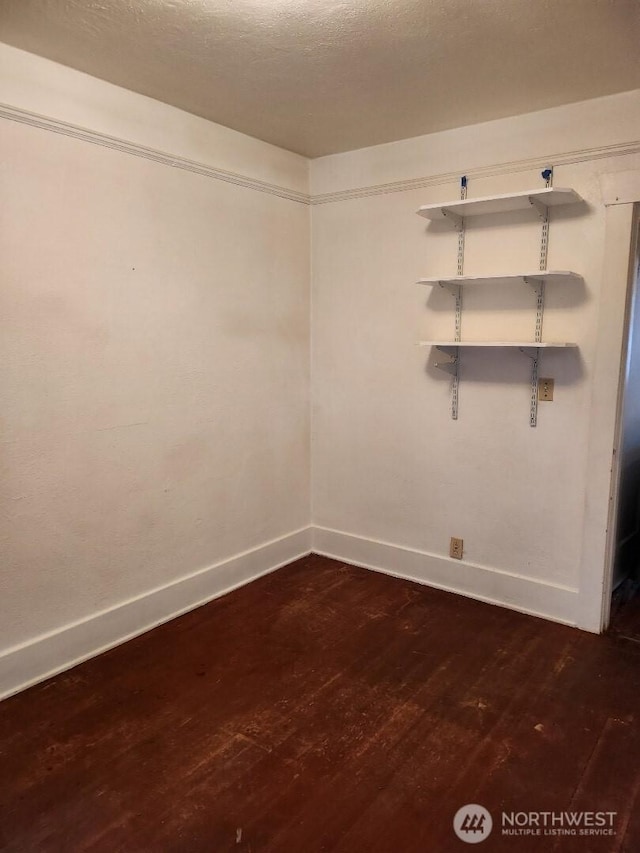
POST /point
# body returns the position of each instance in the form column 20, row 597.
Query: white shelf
column 548, row 197
column 456, row 212
column 512, row 344
column 547, row 276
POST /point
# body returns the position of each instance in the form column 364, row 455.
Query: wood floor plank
column 324, row 708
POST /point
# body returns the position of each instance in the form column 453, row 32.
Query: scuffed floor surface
column 325, row 708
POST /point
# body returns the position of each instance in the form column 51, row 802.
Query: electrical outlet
column 545, row 390
column 455, row 548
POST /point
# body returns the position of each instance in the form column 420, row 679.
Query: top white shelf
column 547, row 196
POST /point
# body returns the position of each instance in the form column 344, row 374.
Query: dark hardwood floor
column 625, row 611
column 326, row 708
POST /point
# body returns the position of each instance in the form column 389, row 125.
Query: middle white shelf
column 540, row 275
column 537, row 278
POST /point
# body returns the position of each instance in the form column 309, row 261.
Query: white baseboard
column 517, row 592
column 49, row 654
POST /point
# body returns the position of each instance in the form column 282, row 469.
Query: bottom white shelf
column 516, row 344
column 531, row 349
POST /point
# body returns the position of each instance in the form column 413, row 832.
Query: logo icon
column 472, row 823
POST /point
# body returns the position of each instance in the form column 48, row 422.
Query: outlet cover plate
column 455, row 548
column 545, row 390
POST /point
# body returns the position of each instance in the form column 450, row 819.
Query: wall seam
column 311, row 371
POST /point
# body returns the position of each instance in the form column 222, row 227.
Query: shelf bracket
column 453, row 366
column 533, row 281
column 450, row 286
column 530, row 352
column 450, row 367
column 540, row 207
column 455, row 380
column 454, row 218
column 538, row 286
column 456, row 291
column 453, row 369
column 534, row 354
column 544, row 236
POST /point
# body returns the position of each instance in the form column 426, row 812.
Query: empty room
column 320, row 393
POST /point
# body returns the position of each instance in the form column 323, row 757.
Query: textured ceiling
column 321, row 76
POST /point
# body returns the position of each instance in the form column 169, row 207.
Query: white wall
column 155, row 357
column 155, row 352
column 393, row 476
